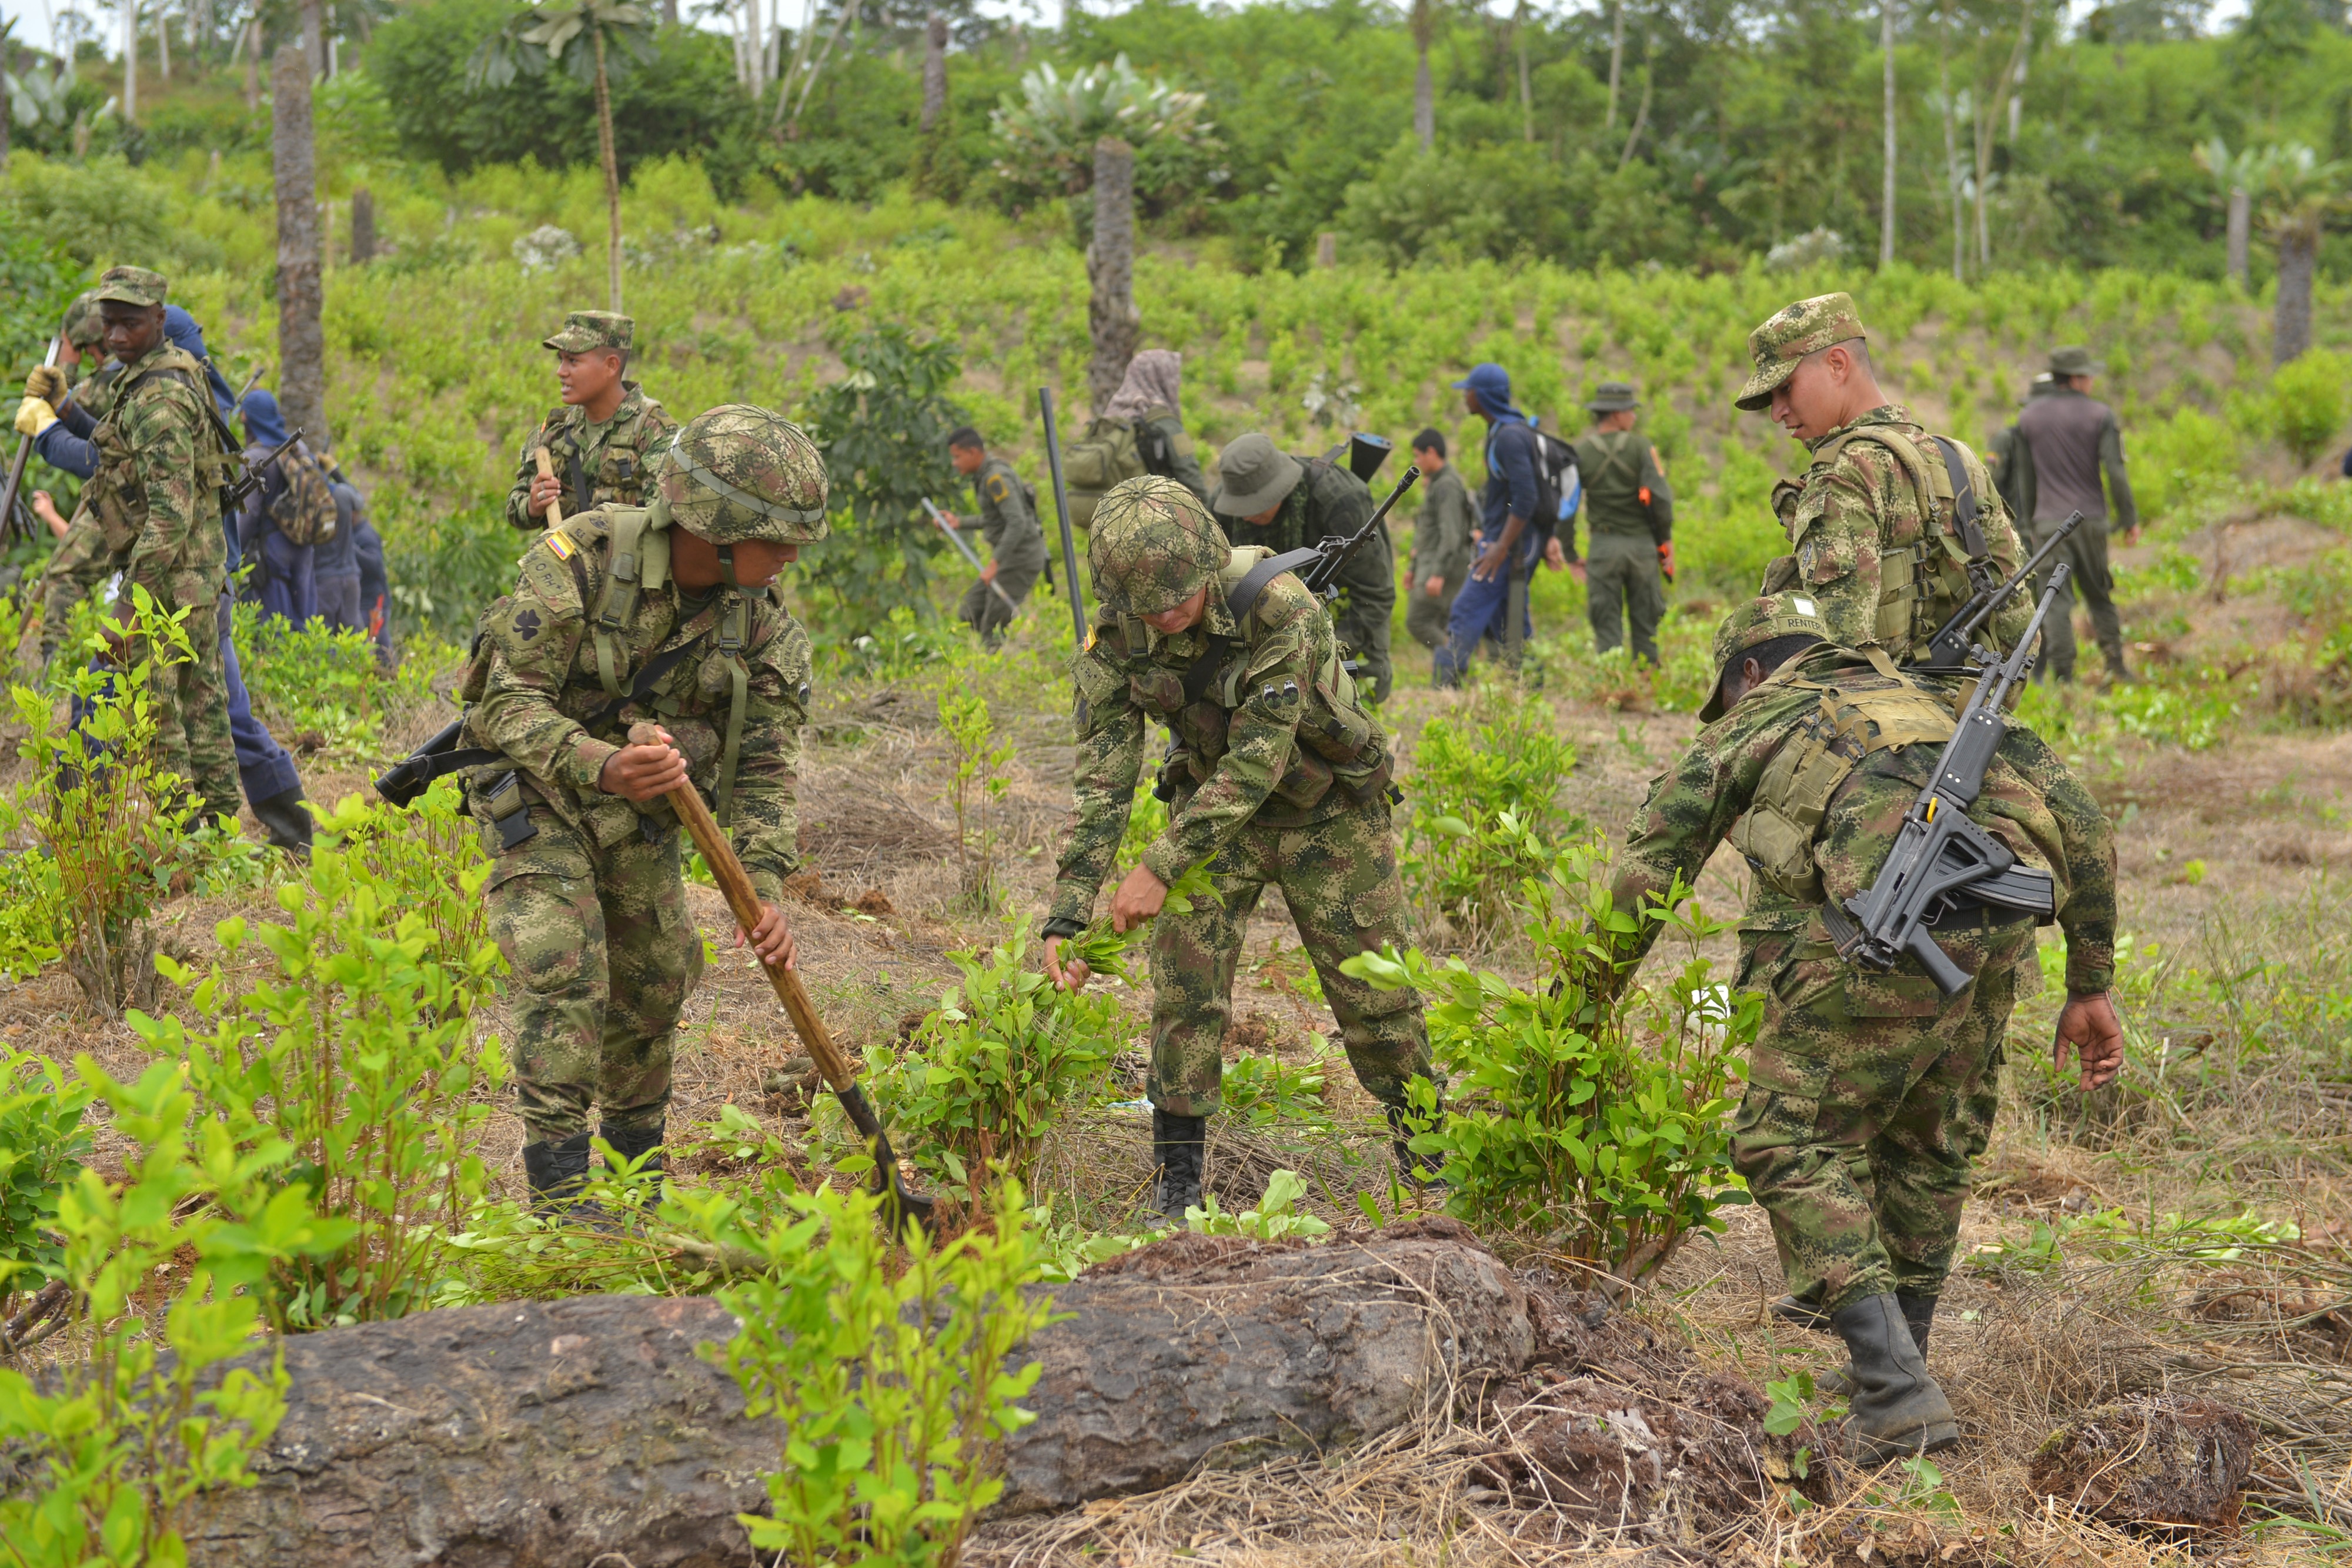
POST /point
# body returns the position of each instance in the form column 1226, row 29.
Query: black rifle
column 1942, row 863
column 1318, row 564
column 233, row 495
column 1949, row 648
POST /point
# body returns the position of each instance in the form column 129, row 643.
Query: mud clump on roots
column 2151, row 1462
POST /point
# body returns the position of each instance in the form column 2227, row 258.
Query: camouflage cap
column 131, row 286
column 586, row 329
column 1153, row 546
column 83, row 324
column 740, row 473
column 1253, row 475
column 1796, row 331
column 1754, row 623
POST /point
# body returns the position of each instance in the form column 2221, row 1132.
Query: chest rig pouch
column 114, row 496
column 1778, row 831
column 1921, row 584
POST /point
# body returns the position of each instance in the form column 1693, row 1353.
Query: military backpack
column 304, row 509
column 1104, row 456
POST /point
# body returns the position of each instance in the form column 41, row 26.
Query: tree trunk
column 301, row 342
column 363, row 226
column 1527, row 90
column 935, row 70
column 612, row 175
column 669, row 13
column 314, row 37
column 1616, row 59
column 1111, row 317
column 130, row 62
column 1886, row 186
column 2298, row 253
column 1952, row 147
column 1424, row 103
column 253, row 66
column 2241, row 224
column 164, row 45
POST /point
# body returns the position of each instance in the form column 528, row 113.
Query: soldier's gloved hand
column 772, row 939
column 1072, row 975
column 46, row 383
column 34, row 415
column 2089, row 1024
column 643, row 770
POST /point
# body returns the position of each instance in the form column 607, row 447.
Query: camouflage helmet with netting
column 84, row 325
column 1755, row 624
column 1153, row 546
column 740, row 473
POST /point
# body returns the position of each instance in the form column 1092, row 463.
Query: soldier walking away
column 622, row 615
column 283, row 578
column 272, row 785
column 2064, row 443
column 1441, row 546
column 1511, row 532
column 1277, row 777
column 2010, row 466
column 604, row 434
column 150, row 512
column 1150, row 400
column 1269, row 498
column 1008, row 521
column 1629, row 527
column 1870, row 1094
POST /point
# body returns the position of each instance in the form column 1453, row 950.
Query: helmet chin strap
column 726, row 567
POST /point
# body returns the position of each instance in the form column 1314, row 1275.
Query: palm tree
column 2299, row 193
column 2239, row 176
column 592, row 39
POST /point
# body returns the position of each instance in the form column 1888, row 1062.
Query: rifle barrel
column 1327, row 571
column 1061, row 506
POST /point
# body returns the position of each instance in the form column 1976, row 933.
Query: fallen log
column 530, row 1434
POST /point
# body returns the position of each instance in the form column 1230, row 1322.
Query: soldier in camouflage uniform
column 1278, row 777
column 605, row 434
column 152, row 512
column 1268, row 497
column 1869, row 1094
column 624, row 615
column 1008, row 521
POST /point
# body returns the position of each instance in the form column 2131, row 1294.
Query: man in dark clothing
column 1493, row 602
column 375, row 590
column 1267, row 497
column 1629, row 524
column 1008, row 521
column 335, row 559
column 2063, row 444
column 1441, row 545
column 283, row 579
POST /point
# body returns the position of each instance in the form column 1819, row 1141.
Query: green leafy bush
column 107, row 1451
column 1275, row 1217
column 1484, row 796
column 1005, row 1054
column 1582, row 1114
column 320, row 686
column 2308, row 403
column 886, row 1372
column 357, row 1054
column 42, row 1145
column 1264, row 1090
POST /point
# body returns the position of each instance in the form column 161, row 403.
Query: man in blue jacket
column 1493, row 601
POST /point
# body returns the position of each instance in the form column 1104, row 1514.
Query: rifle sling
column 1238, row 604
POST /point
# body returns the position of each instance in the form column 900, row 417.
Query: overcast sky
column 34, row 16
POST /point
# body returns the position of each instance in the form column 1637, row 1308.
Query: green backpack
column 304, row 510
column 1103, row 457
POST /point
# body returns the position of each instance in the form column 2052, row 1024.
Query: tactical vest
column 1778, row 830
column 1339, row 744
column 619, row 474
column 113, row 496
column 1921, row 584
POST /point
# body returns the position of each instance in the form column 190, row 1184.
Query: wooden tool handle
column 735, row 883
column 555, row 509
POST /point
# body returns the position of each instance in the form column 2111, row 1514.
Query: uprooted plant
column 1584, row 1115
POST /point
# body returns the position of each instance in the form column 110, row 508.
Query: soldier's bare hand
column 1490, row 561
column 2089, row 1024
column 1138, row 898
column 1667, row 558
column 1576, row 570
column 772, row 939
column 45, row 507
column 1555, row 553
column 951, row 520
column 545, row 491
column 1072, row 975
column 988, row 572
column 643, row 770
column 1435, row 588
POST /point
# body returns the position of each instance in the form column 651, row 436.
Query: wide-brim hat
column 2074, row 361
column 1253, row 473
column 1613, row 397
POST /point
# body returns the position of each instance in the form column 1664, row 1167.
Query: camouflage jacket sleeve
column 1109, row 762
column 530, row 639
column 527, row 469
column 2124, row 511
column 1836, row 532
column 1441, row 536
column 2088, row 916
column 1692, row 805
column 1010, row 528
column 1259, row 735
column 766, row 813
column 168, row 430
column 1662, row 497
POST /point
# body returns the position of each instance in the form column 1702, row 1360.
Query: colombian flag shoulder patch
column 560, row 543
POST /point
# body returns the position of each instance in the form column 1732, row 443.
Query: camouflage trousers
column 604, row 956
column 1869, row 1098
column 190, row 703
column 984, row 613
column 1340, row 878
column 1621, row 577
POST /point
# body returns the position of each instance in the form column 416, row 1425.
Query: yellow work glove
column 46, row 383
column 34, row 416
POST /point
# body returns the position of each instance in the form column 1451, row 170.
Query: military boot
column 556, row 1173
column 286, row 819
column 1895, row 1410
column 638, row 1143
column 1178, row 1144
column 1918, row 1312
